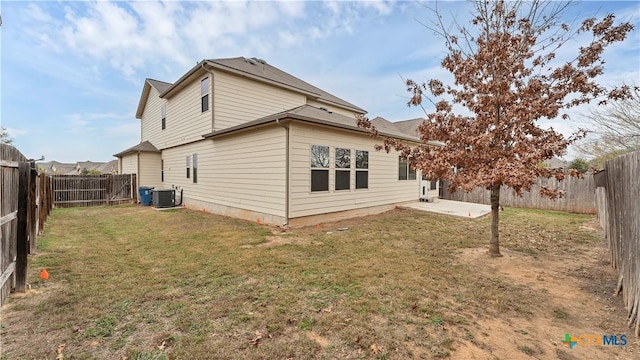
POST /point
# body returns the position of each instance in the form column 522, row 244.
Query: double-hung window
column 164, row 116
column 319, row 168
column 188, row 167
column 204, row 94
column 362, row 169
column 195, row 168
column 405, row 171
column 343, row 169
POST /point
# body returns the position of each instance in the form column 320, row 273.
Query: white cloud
column 292, row 8
column 382, row 7
column 93, row 123
column 129, row 129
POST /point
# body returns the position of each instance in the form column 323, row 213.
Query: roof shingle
column 144, row 146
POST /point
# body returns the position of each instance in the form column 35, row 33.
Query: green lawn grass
column 131, row 281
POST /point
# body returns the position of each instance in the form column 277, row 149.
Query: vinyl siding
column 150, row 170
column 245, row 171
column 185, row 121
column 331, row 107
column 384, row 186
column 238, row 100
column 130, row 164
column 151, row 121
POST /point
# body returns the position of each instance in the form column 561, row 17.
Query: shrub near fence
column 619, row 211
column 579, row 196
column 77, row 190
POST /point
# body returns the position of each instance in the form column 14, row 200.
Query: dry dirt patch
column 578, row 289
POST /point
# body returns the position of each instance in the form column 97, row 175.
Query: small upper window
column 204, row 94
column 164, row 116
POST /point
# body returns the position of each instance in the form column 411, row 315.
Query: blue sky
column 72, row 72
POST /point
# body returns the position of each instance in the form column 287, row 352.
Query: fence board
column 22, row 202
column 23, row 226
column 10, row 159
column 620, row 206
column 579, row 195
column 77, row 190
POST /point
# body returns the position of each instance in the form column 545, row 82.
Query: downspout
column 286, row 179
column 213, row 108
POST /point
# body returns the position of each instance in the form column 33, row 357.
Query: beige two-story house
column 243, row 138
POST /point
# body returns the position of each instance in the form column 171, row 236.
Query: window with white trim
column 362, row 169
column 319, row 161
column 204, row 94
column 343, row 169
column 188, row 167
column 164, row 116
column 405, row 170
column 195, row 168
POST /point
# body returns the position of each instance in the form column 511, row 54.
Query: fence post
column 134, row 189
column 42, row 211
column 33, row 175
column 24, row 170
column 108, row 187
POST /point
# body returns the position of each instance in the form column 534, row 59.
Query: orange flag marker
column 44, row 275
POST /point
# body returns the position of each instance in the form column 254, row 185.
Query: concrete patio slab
column 450, row 207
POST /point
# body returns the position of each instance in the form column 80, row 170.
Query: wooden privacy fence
column 579, row 195
column 619, row 213
column 77, row 190
column 25, row 204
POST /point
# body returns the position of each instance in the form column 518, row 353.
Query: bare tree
column 5, row 138
column 613, row 130
column 507, row 79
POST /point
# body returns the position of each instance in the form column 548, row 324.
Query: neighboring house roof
column 108, row 167
column 555, row 163
column 58, row 168
column 256, row 69
column 144, row 146
column 160, row 86
column 314, row 115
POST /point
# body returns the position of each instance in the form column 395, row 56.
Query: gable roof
column 409, row 126
column 144, row 146
column 256, row 69
column 314, row 115
column 160, row 86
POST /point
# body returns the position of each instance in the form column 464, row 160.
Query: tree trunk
column 494, row 245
